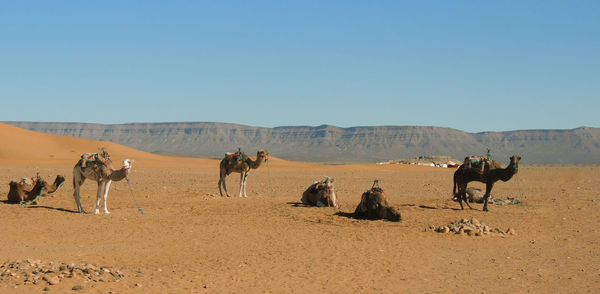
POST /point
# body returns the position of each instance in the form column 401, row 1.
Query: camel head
column 262, row 154
column 59, row 180
column 127, row 164
column 514, row 162
column 390, row 213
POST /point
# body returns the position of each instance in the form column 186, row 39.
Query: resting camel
column 320, row 194
column 239, row 163
column 102, row 174
column 463, row 175
column 23, row 192
column 374, row 205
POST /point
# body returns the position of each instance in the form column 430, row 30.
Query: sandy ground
column 193, row 241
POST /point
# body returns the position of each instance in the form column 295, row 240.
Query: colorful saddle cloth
column 474, row 161
column 237, row 156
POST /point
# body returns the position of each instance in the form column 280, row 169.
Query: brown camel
column 320, row 194
column 374, row 205
column 239, row 163
column 463, row 175
column 102, row 174
column 24, row 192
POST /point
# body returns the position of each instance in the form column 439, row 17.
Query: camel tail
column 454, row 192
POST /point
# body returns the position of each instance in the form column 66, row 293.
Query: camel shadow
column 53, row 208
column 298, row 204
column 428, row 207
column 350, row 215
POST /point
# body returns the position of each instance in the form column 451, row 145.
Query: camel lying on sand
column 374, row 205
column 320, row 194
column 21, row 192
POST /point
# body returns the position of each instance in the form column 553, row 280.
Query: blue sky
column 470, row 65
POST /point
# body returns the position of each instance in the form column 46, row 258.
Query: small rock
column 138, row 284
column 54, row 280
column 46, row 289
column 445, row 230
column 510, row 231
column 76, row 288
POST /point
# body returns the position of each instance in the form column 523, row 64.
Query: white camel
column 103, row 175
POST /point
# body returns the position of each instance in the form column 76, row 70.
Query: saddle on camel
column 480, row 163
column 235, row 157
column 103, row 158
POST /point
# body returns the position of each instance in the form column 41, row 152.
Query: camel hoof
column 106, row 212
column 97, row 212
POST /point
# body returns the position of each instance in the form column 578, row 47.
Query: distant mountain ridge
column 333, row 144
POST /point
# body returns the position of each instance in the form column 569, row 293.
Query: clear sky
column 470, row 65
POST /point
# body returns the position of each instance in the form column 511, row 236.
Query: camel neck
column 117, row 175
column 256, row 163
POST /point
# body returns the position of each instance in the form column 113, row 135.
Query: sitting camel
column 463, row 175
column 320, row 194
column 374, row 205
column 22, row 192
column 102, row 174
column 239, row 163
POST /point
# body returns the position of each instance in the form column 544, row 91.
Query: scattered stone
column 77, row 288
column 32, row 272
column 472, row 227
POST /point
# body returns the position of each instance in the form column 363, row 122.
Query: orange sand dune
column 24, row 147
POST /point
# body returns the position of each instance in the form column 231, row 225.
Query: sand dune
column 21, row 146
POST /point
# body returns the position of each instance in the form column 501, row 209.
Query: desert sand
column 193, row 241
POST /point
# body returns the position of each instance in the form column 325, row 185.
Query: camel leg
column 223, row 182
column 98, row 195
column 77, row 196
column 463, row 195
column 242, row 175
column 245, row 181
column 106, row 188
column 488, row 190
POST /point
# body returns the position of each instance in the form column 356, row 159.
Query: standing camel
column 102, row 174
column 239, row 163
column 463, row 175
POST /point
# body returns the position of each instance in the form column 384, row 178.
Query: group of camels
column 373, row 205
